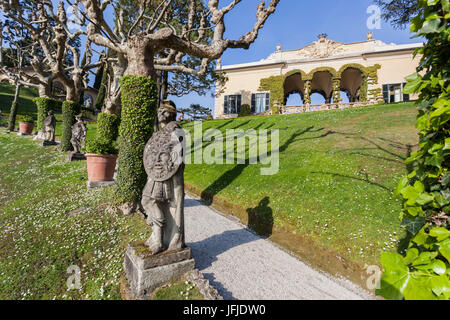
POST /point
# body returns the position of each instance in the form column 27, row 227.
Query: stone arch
column 330, row 70
column 358, row 66
column 322, row 81
column 294, row 82
column 351, row 82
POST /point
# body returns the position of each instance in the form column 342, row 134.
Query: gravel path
column 244, row 266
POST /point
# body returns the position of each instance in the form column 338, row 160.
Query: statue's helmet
column 169, row 105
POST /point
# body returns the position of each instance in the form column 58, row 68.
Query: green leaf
column 439, row 267
column 444, row 249
column 419, row 288
column 441, row 285
column 432, row 2
column 401, row 184
column 414, row 82
column 436, row 160
column 424, row 198
column 430, row 26
column 414, row 210
column 419, row 186
column 413, row 225
column 425, row 258
column 421, row 238
column 411, row 194
column 411, row 255
column 440, row 233
column 447, row 144
column 446, row 178
column 395, row 277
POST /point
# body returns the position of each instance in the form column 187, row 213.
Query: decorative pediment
column 322, row 48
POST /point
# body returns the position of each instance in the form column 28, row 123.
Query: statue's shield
column 163, row 153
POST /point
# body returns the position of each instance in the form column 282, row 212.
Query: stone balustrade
column 322, row 107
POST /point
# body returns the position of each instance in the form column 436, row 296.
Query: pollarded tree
column 141, row 42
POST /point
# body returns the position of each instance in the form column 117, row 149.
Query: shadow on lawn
column 405, row 152
column 229, row 176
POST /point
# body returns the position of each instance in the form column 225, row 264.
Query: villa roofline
column 264, row 63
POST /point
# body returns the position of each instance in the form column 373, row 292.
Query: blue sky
column 297, row 23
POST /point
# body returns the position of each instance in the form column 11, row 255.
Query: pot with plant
column 101, row 157
column 26, row 125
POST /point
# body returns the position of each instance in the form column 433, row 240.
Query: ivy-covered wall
column 275, row 84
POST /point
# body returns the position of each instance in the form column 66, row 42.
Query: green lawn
column 334, row 188
column 40, row 239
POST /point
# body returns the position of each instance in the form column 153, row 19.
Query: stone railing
column 322, row 107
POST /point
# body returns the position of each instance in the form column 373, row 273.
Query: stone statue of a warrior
column 79, row 131
column 163, row 195
column 49, row 128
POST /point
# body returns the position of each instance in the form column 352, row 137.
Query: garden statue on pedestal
column 163, row 195
column 49, row 130
column 78, row 140
column 163, row 256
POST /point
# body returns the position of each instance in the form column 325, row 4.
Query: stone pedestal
column 75, row 156
column 146, row 272
column 46, row 143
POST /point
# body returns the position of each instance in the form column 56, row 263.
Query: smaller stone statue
column 79, row 131
column 49, row 130
column 78, row 140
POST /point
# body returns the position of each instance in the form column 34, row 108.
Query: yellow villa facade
column 366, row 72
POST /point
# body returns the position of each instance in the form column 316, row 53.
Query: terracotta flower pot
column 101, row 167
column 26, row 127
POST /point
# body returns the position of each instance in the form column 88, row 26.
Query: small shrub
column 209, row 117
column 108, row 126
column 245, row 110
column 27, row 119
column 99, row 145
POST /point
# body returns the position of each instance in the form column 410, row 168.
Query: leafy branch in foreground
column 424, row 271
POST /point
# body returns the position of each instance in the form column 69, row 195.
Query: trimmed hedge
column 44, row 105
column 139, row 103
column 108, row 126
column 69, row 110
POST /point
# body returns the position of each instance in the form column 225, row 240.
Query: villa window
column 394, row 93
column 260, row 102
column 232, row 104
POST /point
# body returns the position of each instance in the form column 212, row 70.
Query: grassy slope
column 338, row 170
